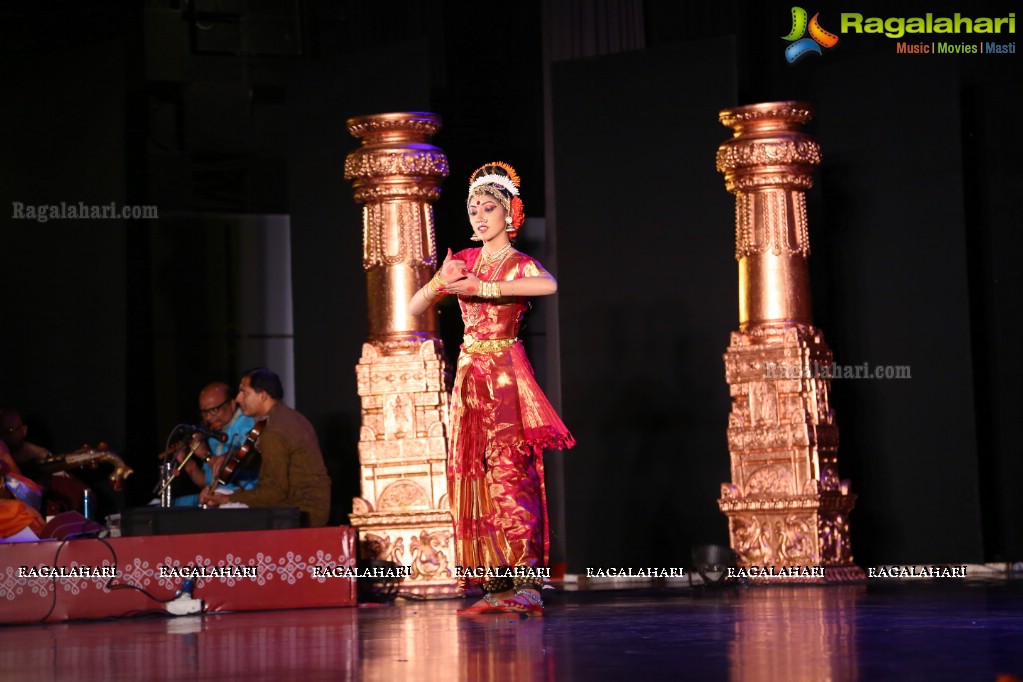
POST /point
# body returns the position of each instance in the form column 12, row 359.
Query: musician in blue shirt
column 219, row 412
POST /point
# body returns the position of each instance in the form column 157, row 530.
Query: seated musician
column 14, row 433
column 19, row 502
column 61, row 490
column 219, row 412
column 291, row 472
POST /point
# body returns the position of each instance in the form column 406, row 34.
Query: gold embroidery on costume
column 474, row 345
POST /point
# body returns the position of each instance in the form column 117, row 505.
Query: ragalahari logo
column 802, row 46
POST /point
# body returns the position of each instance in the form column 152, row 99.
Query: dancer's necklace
column 493, row 269
column 491, row 257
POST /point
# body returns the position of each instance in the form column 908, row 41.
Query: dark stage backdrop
column 890, row 224
column 328, row 281
column 647, row 291
column 62, row 337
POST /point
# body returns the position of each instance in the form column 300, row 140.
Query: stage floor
column 932, row 630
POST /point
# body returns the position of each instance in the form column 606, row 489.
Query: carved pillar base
column 786, row 506
column 421, row 541
column 803, row 526
column 403, row 514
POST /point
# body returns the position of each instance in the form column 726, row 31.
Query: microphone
column 218, row 436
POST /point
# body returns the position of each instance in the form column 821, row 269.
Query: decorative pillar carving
column 402, row 515
column 786, row 506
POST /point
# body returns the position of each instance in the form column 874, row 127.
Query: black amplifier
column 181, row 520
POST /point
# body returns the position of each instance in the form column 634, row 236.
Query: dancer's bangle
column 490, row 290
column 434, row 286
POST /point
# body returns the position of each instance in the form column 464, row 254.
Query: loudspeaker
column 178, row 521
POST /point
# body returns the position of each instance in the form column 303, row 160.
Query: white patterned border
column 288, row 567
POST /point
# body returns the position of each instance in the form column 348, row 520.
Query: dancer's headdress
column 500, row 181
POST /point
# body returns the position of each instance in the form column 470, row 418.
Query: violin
column 235, row 460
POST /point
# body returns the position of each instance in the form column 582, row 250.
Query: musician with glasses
column 219, row 412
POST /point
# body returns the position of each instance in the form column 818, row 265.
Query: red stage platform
column 257, row 570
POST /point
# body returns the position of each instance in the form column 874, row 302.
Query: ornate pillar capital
column 768, row 148
column 768, row 164
column 396, row 175
column 396, row 160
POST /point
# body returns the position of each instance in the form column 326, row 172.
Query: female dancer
column 500, row 419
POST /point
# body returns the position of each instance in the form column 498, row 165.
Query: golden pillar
column 786, row 506
column 402, row 515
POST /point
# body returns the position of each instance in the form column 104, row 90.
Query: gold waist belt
column 474, row 345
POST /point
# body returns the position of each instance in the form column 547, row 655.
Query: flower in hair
column 518, row 213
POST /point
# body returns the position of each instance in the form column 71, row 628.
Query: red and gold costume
column 500, row 424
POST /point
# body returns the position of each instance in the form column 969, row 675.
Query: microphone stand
column 166, row 474
column 171, row 473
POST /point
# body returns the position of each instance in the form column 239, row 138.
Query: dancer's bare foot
column 494, row 602
column 528, row 601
